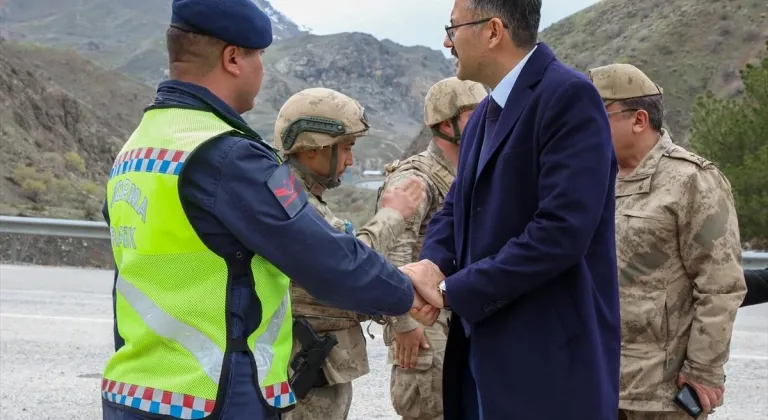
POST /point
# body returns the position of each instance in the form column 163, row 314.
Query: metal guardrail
column 54, row 227
column 754, row 259
column 99, row 230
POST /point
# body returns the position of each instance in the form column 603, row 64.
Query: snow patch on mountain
column 282, row 26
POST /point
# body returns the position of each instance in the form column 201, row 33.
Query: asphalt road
column 56, row 335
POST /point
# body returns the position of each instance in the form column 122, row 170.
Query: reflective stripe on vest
column 171, row 289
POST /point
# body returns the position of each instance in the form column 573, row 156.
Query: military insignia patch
column 287, row 189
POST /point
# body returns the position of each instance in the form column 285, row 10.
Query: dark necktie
column 491, row 119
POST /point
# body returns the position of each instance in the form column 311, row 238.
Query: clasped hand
column 428, row 300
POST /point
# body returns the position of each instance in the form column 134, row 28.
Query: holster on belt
column 307, row 363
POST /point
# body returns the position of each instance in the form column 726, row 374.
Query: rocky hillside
column 419, row 143
column 389, row 79
column 62, row 120
column 122, row 34
column 686, row 46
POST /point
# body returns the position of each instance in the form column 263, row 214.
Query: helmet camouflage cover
column 448, row 98
column 318, row 117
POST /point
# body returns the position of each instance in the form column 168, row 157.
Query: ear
column 230, row 59
column 641, row 122
column 497, row 30
column 446, row 127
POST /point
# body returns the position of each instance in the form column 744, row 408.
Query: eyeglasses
column 623, row 110
column 451, row 30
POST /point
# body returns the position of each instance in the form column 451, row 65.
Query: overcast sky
column 407, row 22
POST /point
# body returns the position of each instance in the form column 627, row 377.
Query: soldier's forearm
column 403, row 323
column 715, row 307
column 382, row 230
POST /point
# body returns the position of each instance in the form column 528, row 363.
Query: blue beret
column 236, row 22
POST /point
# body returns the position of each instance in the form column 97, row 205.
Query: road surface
column 56, row 335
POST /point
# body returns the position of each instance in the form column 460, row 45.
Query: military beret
column 236, row 22
column 617, row 82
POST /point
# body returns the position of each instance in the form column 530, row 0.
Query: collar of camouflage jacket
column 313, row 187
column 639, row 181
column 438, row 155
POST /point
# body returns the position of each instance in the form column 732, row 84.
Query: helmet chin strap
column 326, row 181
column 456, row 133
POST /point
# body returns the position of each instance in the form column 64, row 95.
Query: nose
column 447, row 43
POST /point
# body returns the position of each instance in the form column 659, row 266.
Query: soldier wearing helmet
column 315, row 131
column 415, row 351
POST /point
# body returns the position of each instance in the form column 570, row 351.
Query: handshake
column 427, row 297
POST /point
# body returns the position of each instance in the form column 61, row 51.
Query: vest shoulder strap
column 433, row 170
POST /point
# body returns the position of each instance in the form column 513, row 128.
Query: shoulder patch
column 287, row 190
column 677, row 152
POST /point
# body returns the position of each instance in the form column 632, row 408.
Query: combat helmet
column 317, row 118
column 447, row 99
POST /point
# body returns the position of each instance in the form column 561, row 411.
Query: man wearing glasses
column 525, row 240
column 677, row 240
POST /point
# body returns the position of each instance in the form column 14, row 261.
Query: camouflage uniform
column 417, row 393
column 348, row 360
column 681, row 281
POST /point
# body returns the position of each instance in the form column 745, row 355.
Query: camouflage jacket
column 680, row 275
column 348, row 360
column 438, row 175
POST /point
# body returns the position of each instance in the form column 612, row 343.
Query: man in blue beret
column 208, row 227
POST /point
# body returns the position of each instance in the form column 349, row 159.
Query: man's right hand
column 422, row 311
column 405, row 199
column 407, row 345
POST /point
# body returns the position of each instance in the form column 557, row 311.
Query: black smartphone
column 688, row 400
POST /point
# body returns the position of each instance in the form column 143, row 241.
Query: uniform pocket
column 642, row 373
column 417, row 392
column 646, row 242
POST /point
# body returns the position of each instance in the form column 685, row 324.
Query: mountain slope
column 389, row 79
column 686, row 46
column 62, row 121
column 124, row 34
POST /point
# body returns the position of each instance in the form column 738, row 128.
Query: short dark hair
column 522, row 17
column 197, row 53
column 653, row 105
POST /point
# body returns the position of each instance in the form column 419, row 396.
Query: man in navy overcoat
column 525, row 239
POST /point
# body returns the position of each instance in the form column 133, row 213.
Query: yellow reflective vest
column 172, row 289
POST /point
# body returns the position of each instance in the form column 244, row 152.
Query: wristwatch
column 441, row 287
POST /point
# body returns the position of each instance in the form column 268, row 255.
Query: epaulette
column 677, row 152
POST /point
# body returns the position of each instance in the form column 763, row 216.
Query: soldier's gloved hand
column 405, row 199
column 407, row 347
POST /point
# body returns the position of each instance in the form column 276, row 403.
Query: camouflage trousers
column 656, row 415
column 417, row 393
column 331, row 402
